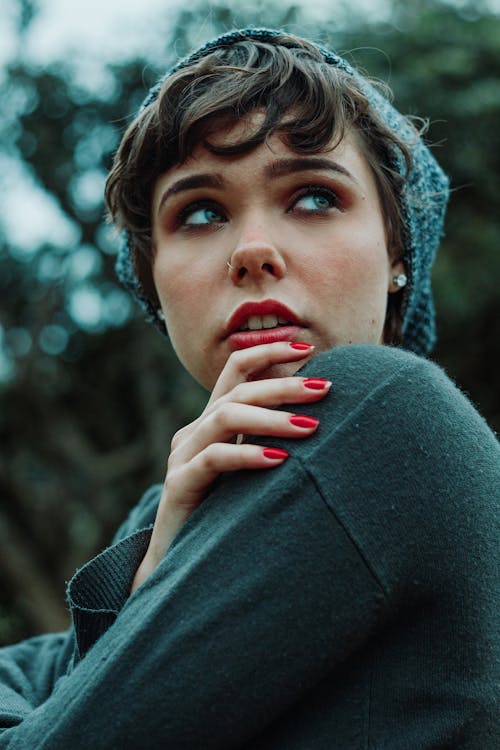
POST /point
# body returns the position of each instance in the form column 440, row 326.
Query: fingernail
column 301, row 345
column 276, row 454
column 317, row 384
column 299, row 420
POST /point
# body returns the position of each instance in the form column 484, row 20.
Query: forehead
column 257, row 173
column 347, row 156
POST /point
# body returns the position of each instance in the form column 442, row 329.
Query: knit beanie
column 422, row 202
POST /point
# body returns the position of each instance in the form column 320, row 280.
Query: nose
column 256, row 258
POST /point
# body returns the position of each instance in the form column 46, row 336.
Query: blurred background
column 89, row 394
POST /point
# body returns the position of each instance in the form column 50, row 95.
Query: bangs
column 311, row 104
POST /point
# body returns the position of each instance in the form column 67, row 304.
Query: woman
column 279, row 221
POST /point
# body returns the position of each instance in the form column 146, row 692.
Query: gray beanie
column 422, row 203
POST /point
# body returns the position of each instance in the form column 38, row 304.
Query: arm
column 270, row 585
column 29, row 670
column 28, row 673
column 201, row 654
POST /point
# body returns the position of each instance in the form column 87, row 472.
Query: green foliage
column 89, row 395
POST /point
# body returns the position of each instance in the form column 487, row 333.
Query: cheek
column 177, row 297
column 356, row 268
column 349, row 279
column 177, row 282
column 185, row 297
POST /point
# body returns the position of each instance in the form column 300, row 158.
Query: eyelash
column 311, row 190
column 191, row 208
column 316, row 191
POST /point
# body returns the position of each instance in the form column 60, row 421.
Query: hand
column 208, row 446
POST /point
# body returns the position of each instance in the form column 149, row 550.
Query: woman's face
column 304, row 236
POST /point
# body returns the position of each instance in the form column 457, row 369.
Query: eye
column 201, row 214
column 315, row 200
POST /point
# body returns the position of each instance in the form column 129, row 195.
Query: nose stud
column 231, row 268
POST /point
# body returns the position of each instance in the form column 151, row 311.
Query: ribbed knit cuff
column 98, row 590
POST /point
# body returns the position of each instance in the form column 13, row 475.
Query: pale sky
column 110, row 29
column 107, row 30
column 115, row 28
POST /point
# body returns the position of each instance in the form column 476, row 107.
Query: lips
column 265, row 322
column 270, row 312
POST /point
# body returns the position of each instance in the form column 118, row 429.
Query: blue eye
column 201, row 215
column 315, row 200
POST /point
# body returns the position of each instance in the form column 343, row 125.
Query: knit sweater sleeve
column 29, row 670
column 28, row 674
column 282, row 578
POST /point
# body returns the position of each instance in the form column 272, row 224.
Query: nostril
column 267, row 267
column 241, row 272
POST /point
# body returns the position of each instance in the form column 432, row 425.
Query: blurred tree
column 445, row 64
column 89, row 395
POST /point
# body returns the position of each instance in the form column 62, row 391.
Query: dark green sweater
column 345, row 600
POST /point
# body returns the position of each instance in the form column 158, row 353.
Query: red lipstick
column 242, row 339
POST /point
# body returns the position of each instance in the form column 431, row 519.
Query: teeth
column 258, row 322
column 254, row 322
column 269, row 321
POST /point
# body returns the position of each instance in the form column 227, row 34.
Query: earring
column 400, row 280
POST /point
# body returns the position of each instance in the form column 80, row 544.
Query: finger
column 244, row 364
column 231, row 419
column 217, row 458
column 220, row 457
column 264, row 393
column 187, row 488
column 276, row 391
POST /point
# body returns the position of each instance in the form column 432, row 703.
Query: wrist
column 169, row 520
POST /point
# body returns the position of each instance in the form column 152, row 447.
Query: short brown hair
column 309, row 102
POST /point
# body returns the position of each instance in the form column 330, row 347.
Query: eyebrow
column 192, row 182
column 283, row 167
column 278, row 168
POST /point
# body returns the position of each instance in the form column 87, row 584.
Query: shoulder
column 368, row 367
column 401, row 394
column 403, row 458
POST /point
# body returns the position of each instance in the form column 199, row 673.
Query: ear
column 397, row 271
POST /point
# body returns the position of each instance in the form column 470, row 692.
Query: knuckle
column 237, row 394
column 178, row 437
column 208, row 457
column 184, row 434
column 240, row 361
column 171, row 462
column 212, row 408
column 224, row 415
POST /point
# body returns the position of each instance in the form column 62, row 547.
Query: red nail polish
column 301, row 345
column 317, row 384
column 299, row 420
column 276, row 454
